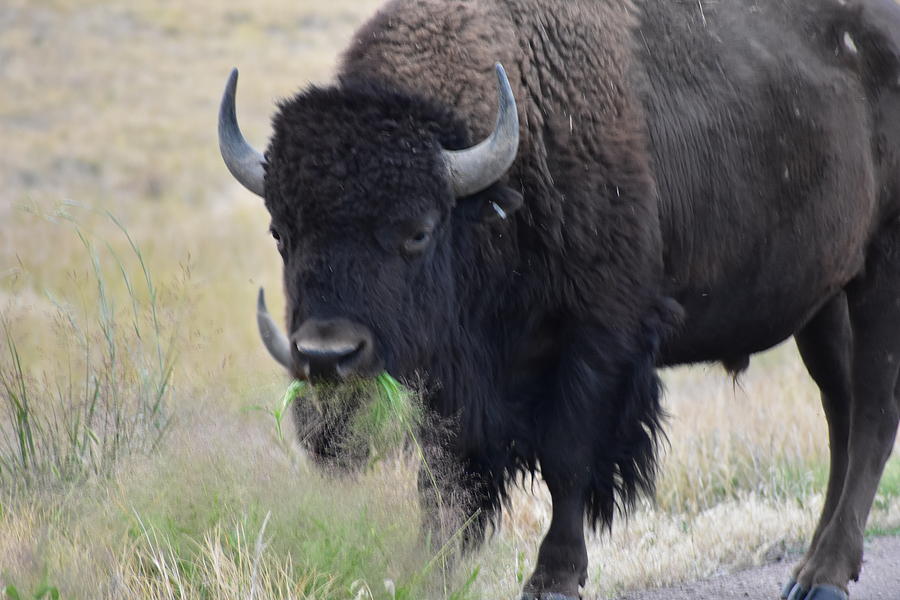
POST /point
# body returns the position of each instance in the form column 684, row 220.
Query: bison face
column 367, row 208
column 366, row 238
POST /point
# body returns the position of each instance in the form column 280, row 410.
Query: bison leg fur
column 825, row 347
column 874, row 415
column 598, row 446
column 562, row 558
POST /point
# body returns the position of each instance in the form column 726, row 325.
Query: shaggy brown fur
column 741, row 158
column 568, row 63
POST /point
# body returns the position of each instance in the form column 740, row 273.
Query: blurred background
column 140, row 445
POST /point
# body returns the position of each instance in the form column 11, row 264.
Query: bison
column 666, row 183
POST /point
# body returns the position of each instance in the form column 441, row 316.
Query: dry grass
column 113, row 107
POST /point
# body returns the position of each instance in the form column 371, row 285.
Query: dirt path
column 880, row 580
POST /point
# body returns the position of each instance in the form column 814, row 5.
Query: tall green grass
column 107, row 394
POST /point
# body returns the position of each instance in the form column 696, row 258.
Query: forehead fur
column 353, row 147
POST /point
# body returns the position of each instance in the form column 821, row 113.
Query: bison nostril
column 326, row 350
column 330, row 348
column 328, row 360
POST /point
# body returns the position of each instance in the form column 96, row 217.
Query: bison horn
column 245, row 163
column 276, row 342
column 476, row 168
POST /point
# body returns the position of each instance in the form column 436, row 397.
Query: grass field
column 138, row 451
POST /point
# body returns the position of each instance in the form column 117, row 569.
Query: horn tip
column 245, row 164
column 261, row 300
column 506, row 93
column 231, row 85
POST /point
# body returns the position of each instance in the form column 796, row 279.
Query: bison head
column 371, row 191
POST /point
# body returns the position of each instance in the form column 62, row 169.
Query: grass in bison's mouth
column 384, row 412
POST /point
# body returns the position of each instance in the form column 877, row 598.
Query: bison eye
column 276, row 237
column 418, row 242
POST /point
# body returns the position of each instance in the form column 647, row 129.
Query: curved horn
column 245, row 163
column 476, row 168
column 276, row 342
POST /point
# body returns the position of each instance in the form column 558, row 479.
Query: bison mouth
column 347, row 410
column 349, row 423
column 333, row 349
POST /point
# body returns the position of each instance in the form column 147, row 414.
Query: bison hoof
column 788, row 588
column 827, row 592
column 547, row 596
column 819, row 592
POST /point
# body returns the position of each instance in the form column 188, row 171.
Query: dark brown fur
column 741, row 158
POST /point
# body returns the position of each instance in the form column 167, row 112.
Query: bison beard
column 693, row 182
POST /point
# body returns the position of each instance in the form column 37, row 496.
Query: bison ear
column 492, row 205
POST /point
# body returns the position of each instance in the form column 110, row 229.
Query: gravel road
column 880, row 580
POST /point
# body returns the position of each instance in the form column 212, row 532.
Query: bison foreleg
column 562, row 559
column 598, row 444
